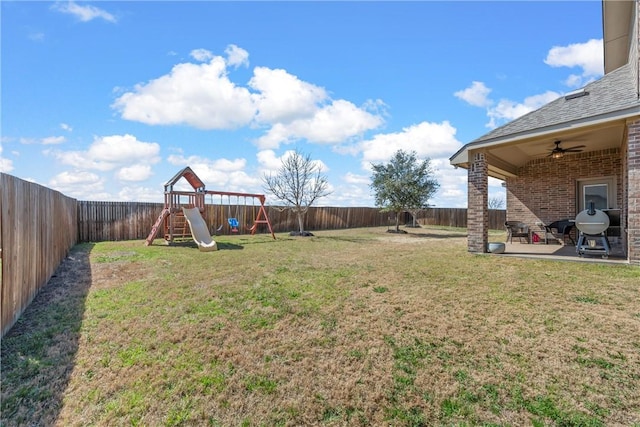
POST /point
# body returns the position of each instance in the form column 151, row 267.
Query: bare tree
column 298, row 184
column 495, row 203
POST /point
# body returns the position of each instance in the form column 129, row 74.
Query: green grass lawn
column 349, row 327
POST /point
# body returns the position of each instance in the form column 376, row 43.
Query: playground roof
column 191, row 177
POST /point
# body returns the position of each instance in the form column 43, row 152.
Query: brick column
column 633, row 192
column 477, row 210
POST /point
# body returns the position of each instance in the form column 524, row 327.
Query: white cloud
column 203, row 96
column 283, row 97
column 202, row 55
column 355, row 190
column 453, row 185
column 110, row 152
column 506, row 110
column 75, row 177
column 52, row 140
column 277, row 135
column 435, row 141
column 198, row 95
column 351, row 178
column 6, row 165
column 497, row 191
column 336, row 124
column 83, row 13
column 140, row 194
column 220, row 174
column 49, row 140
column 589, row 56
column 66, row 127
column 79, row 184
column 573, row 80
column 431, row 140
column 476, row 95
column 236, row 56
column 138, row 172
column 351, row 190
column 223, row 165
column 271, row 163
column 348, row 195
column 495, row 182
column 123, row 148
column 268, row 160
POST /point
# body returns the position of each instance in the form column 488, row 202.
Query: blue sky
column 108, row 100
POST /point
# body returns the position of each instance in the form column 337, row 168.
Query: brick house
column 603, row 119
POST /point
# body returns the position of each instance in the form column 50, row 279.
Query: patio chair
column 560, row 230
column 517, row 229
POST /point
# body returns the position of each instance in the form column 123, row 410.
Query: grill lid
column 592, row 221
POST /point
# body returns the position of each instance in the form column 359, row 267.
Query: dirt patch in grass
column 350, row 327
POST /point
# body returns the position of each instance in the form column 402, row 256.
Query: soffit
column 505, row 159
column 616, row 17
column 593, row 140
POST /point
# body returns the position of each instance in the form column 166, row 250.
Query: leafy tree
column 298, row 183
column 403, row 184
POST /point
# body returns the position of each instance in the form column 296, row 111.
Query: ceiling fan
column 558, row 152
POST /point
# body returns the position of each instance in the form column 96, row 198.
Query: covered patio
column 579, row 149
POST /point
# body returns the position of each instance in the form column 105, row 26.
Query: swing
column 233, row 221
column 253, row 228
column 219, row 229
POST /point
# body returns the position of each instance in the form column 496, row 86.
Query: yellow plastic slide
column 199, row 230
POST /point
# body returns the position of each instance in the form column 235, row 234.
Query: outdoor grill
column 592, row 224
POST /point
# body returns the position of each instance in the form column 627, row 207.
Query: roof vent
column 576, row 94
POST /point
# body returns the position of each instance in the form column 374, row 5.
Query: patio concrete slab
column 560, row 252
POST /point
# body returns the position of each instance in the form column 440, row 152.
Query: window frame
column 608, row 181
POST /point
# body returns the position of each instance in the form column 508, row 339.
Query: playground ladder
column 180, row 228
column 154, row 230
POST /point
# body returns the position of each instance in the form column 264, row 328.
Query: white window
column 596, row 193
column 600, row 191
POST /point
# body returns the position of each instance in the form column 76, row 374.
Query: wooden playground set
column 175, row 225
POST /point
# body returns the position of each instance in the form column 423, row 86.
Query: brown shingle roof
column 614, row 92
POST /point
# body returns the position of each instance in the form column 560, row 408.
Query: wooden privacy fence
column 104, row 221
column 38, row 226
column 457, row 217
column 111, row 221
column 100, row 221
